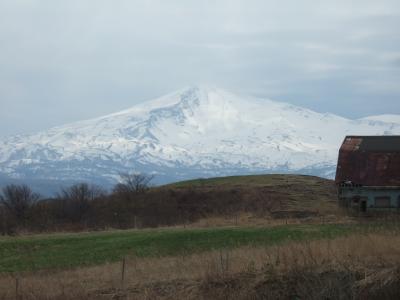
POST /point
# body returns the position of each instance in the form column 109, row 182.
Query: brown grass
column 354, row 267
column 250, row 219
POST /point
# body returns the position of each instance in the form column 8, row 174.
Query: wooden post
column 123, row 273
column 224, row 260
column 17, row 288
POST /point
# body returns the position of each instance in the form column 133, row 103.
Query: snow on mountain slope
column 194, row 132
column 384, row 118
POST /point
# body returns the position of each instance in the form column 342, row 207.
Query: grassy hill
column 280, row 195
column 250, row 181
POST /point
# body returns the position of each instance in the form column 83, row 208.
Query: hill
column 275, row 195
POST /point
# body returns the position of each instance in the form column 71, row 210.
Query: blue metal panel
column 353, row 196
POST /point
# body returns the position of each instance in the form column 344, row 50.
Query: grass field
column 307, row 261
column 61, row 251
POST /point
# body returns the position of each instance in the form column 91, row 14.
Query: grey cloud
column 67, row 60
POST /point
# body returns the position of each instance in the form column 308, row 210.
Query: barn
column 368, row 173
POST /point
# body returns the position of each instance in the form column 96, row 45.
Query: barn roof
column 369, row 160
column 390, row 143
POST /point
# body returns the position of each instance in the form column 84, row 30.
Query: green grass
column 61, row 251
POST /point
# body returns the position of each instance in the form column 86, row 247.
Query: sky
column 68, row 60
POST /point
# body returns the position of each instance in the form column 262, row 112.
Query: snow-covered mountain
column 385, row 118
column 195, row 132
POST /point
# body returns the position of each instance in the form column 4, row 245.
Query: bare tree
column 18, row 200
column 133, row 183
column 77, row 199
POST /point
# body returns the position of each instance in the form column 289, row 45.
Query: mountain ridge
column 194, row 132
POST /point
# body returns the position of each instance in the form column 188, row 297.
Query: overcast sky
column 67, row 60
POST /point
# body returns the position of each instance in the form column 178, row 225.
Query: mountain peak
column 200, row 88
column 189, row 97
column 198, row 131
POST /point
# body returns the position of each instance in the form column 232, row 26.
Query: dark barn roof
column 369, row 160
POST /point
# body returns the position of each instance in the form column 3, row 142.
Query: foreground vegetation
column 286, row 239
column 358, row 263
column 59, row 251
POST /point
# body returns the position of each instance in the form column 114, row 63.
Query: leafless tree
column 133, row 183
column 18, row 200
column 77, row 199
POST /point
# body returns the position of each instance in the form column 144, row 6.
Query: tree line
column 79, row 206
column 131, row 204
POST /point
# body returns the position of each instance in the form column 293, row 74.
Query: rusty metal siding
column 363, row 162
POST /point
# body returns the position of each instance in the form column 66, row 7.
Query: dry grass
column 267, row 195
column 249, row 219
column 344, row 268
